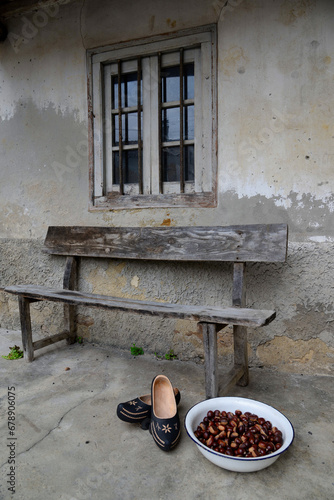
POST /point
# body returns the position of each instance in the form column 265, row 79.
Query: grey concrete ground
column 71, row 446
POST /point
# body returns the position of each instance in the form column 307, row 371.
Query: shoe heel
column 145, row 424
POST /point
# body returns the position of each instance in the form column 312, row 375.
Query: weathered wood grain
column 247, row 243
column 69, row 283
column 70, row 273
column 24, row 307
column 209, row 335
column 50, row 340
column 230, row 315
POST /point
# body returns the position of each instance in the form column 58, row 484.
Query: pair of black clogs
column 156, row 411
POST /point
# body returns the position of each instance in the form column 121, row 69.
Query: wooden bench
column 237, row 244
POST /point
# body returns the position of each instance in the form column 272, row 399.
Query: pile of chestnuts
column 238, row 434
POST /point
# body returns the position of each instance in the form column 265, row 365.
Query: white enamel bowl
column 238, row 464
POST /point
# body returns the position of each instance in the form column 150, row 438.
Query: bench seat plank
column 206, row 314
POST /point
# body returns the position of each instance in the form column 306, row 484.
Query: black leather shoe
column 136, row 410
column 165, row 423
column 139, row 409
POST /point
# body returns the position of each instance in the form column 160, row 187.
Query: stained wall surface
column 275, row 164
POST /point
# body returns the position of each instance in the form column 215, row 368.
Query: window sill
column 116, row 201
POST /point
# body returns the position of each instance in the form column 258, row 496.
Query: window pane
column 188, row 123
column 170, row 81
column 128, row 90
column 189, row 162
column 188, row 83
column 170, row 124
column 170, row 78
column 130, row 167
column 171, row 164
column 129, row 128
column 131, row 132
column 131, row 89
column 115, row 161
column 170, row 127
column 115, row 128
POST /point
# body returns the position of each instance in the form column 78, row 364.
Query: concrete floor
column 71, row 446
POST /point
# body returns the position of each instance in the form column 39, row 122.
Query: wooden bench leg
column 240, row 352
column 209, row 333
column 24, row 306
column 69, row 283
column 70, row 323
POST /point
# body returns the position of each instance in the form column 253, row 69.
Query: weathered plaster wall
column 276, row 69
column 275, row 164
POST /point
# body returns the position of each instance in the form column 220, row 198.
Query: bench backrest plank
column 246, row 243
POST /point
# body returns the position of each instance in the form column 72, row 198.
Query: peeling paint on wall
column 310, row 218
column 135, row 282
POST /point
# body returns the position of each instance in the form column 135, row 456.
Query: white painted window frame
column 201, row 192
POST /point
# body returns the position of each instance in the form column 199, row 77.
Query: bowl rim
column 241, row 459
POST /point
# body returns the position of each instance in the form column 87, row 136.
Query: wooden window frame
column 200, row 193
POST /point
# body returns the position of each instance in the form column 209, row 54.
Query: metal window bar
column 181, row 124
column 120, row 151
column 139, row 108
column 160, row 124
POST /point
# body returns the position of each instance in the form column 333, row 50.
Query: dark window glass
column 188, row 122
column 130, row 167
column 189, row 162
column 115, row 128
column 170, row 81
column 129, row 128
column 171, row 163
column 188, row 83
column 128, row 90
column 171, row 124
